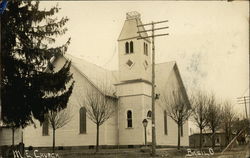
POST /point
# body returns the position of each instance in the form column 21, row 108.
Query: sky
column 209, row 40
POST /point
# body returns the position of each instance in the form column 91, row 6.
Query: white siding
column 69, row 134
column 6, row 136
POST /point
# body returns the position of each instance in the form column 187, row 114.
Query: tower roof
column 131, row 27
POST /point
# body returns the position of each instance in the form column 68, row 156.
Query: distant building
column 131, row 86
column 194, row 140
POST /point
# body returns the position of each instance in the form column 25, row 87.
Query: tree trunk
column 54, row 139
column 226, row 135
column 179, row 139
column 213, row 139
column 201, row 138
column 229, row 134
column 97, row 137
column 13, row 136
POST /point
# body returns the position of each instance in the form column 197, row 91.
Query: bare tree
column 100, row 105
column 58, row 119
column 178, row 108
column 213, row 116
column 228, row 117
column 199, row 103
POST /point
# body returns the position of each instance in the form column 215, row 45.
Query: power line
column 245, row 91
column 114, row 52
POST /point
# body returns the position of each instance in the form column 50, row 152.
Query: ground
column 239, row 152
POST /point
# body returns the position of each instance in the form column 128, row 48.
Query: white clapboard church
column 131, row 85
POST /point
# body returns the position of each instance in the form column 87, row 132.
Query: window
column 127, row 47
column 149, row 114
column 45, row 128
column 181, row 130
column 129, row 63
column 131, row 47
column 83, row 120
column 165, row 122
column 218, row 140
column 129, row 119
column 145, row 48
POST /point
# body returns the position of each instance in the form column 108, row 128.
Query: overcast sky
column 208, row 40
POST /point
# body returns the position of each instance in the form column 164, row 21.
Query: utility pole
column 152, row 30
column 244, row 100
column 0, row 68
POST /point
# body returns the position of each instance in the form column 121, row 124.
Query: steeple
column 130, row 29
column 134, row 54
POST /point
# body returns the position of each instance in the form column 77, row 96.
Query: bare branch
column 200, row 103
column 177, row 107
column 58, row 119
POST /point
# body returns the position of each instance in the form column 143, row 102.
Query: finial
column 133, row 15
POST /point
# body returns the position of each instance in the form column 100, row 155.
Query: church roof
column 97, row 75
column 130, row 29
column 163, row 72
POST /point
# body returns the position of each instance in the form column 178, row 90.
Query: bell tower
column 134, row 54
column 134, row 87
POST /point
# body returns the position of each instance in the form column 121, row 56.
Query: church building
column 130, row 85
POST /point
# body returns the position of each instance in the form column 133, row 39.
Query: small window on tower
column 145, row 49
column 127, row 47
column 131, row 47
column 145, row 64
column 130, row 63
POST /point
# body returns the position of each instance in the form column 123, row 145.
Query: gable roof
column 96, row 75
column 162, row 74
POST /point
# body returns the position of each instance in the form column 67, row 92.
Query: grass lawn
column 136, row 153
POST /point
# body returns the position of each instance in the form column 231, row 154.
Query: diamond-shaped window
column 129, row 63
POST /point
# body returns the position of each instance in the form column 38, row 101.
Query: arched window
column 145, row 48
column 149, row 114
column 165, row 122
column 181, row 130
column 131, row 47
column 83, row 120
column 129, row 118
column 45, row 126
column 127, row 47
